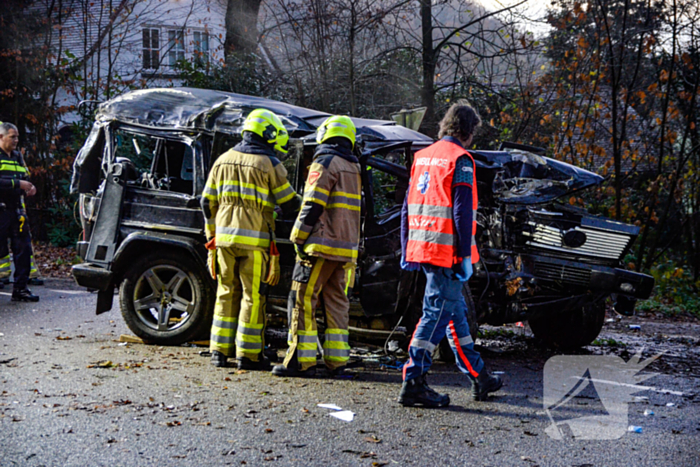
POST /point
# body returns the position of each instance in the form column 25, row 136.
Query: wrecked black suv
column 142, row 169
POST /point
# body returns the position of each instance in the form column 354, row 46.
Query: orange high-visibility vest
column 431, row 229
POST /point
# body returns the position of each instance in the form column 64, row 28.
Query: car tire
column 443, row 352
column 160, row 284
column 570, row 330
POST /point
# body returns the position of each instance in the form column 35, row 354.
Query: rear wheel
column 165, row 299
column 570, row 330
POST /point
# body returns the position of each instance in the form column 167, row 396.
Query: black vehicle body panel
column 538, row 255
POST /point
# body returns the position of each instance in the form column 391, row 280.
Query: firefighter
column 326, row 235
column 13, row 216
column 244, row 186
column 438, row 224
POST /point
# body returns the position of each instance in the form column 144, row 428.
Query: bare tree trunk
column 429, row 126
column 241, row 27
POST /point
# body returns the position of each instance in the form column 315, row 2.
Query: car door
column 162, row 193
column 384, row 185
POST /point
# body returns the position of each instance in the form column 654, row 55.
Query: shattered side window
column 156, row 163
column 138, row 149
column 387, row 189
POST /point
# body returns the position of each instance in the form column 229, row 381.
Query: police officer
column 13, row 217
column 326, row 235
column 244, row 186
column 438, row 224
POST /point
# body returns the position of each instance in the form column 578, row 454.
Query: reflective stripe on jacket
column 328, row 225
column 240, row 196
column 431, row 232
column 12, row 170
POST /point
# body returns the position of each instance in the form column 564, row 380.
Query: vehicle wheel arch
column 137, row 244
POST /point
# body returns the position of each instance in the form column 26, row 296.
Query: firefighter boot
column 483, row 384
column 293, row 370
column 263, row 364
column 218, row 359
column 24, row 295
column 417, row 392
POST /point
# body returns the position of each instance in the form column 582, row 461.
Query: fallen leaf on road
column 63, row 338
column 529, row 433
column 373, row 439
column 173, row 423
column 269, row 430
column 365, row 455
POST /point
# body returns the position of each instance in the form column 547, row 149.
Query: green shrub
column 675, row 292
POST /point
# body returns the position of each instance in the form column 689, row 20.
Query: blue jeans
column 444, row 312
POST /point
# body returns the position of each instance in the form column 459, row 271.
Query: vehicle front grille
column 562, row 273
column 599, row 244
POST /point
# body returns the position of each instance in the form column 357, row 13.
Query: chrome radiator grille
column 599, row 244
column 563, row 273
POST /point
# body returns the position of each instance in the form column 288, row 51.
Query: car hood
column 522, row 177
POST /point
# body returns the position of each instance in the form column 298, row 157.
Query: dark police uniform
column 13, row 220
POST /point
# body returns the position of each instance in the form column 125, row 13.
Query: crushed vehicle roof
column 211, row 110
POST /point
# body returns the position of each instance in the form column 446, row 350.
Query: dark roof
column 206, row 109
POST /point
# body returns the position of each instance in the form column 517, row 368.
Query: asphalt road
column 72, row 395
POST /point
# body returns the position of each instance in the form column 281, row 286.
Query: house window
column 176, row 46
column 201, row 48
column 151, row 48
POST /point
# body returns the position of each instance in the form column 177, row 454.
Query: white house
column 116, row 45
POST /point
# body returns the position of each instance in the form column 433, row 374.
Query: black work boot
column 483, row 384
column 218, row 359
column 35, row 281
column 417, row 392
column 24, row 295
column 244, row 363
column 293, row 370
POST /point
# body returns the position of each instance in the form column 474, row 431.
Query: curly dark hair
column 460, row 121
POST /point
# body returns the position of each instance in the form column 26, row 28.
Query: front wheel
column 165, row 299
column 572, row 329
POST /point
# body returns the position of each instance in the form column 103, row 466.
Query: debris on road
column 344, row 415
column 329, row 406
